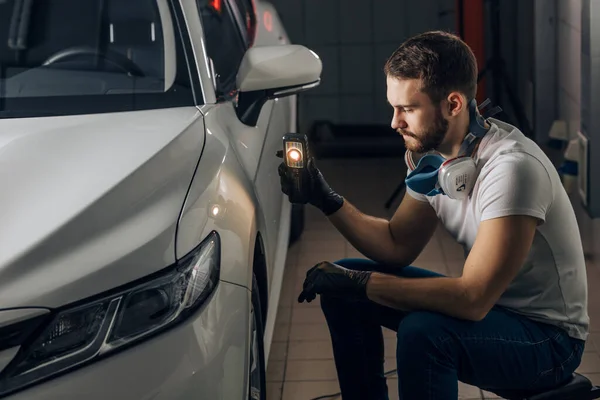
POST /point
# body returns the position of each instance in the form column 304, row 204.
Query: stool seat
column 578, row 387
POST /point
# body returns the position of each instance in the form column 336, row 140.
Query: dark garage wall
column 516, row 36
column 354, row 38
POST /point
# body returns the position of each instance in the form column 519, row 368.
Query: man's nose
column 398, row 122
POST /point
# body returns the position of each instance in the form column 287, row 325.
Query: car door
column 229, row 27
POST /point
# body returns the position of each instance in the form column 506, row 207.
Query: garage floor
column 301, row 362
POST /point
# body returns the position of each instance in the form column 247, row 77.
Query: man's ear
column 456, row 104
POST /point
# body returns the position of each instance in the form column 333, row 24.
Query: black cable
column 333, row 395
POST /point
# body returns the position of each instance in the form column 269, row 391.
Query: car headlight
column 78, row 334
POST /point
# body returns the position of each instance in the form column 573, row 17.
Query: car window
column 61, row 57
column 224, row 44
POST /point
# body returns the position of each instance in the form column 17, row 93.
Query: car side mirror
column 269, row 72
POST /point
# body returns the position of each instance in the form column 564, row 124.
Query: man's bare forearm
column 440, row 294
column 369, row 235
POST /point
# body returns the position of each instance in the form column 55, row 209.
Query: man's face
column 416, row 118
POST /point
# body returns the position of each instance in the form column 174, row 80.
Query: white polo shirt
column 516, row 177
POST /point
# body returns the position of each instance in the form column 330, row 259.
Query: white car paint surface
column 85, row 195
column 143, row 232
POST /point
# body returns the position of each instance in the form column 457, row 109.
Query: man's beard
column 431, row 138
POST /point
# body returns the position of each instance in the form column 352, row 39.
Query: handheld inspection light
column 296, row 156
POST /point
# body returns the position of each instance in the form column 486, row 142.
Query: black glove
column 329, row 278
column 319, row 193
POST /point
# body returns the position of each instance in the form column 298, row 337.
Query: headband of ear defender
column 455, row 177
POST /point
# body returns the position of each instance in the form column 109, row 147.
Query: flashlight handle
column 299, row 189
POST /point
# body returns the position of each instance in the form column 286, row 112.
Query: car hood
column 91, row 202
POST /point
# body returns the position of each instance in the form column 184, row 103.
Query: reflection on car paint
column 268, row 21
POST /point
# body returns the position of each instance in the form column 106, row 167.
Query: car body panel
column 270, row 31
column 204, row 358
column 94, row 201
column 251, row 144
column 232, row 146
column 97, row 201
column 222, row 183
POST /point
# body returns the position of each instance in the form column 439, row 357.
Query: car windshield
column 66, row 57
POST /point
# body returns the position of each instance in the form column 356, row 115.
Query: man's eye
column 408, row 109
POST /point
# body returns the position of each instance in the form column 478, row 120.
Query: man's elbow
column 476, row 313
column 480, row 306
column 476, row 306
column 473, row 311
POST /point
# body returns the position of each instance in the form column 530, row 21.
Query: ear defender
column 454, row 177
column 457, row 177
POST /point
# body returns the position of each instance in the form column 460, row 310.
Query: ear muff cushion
column 424, row 177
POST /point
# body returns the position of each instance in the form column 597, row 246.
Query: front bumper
column 203, row 358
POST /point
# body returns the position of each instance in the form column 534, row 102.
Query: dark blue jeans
column 504, row 351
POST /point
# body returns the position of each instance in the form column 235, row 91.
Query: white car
column 143, row 232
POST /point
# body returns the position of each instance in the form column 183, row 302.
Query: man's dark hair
column 440, row 59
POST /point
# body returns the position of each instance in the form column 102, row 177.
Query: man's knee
column 341, row 308
column 333, row 305
column 421, row 332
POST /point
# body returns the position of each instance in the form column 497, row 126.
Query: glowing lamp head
column 294, row 155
